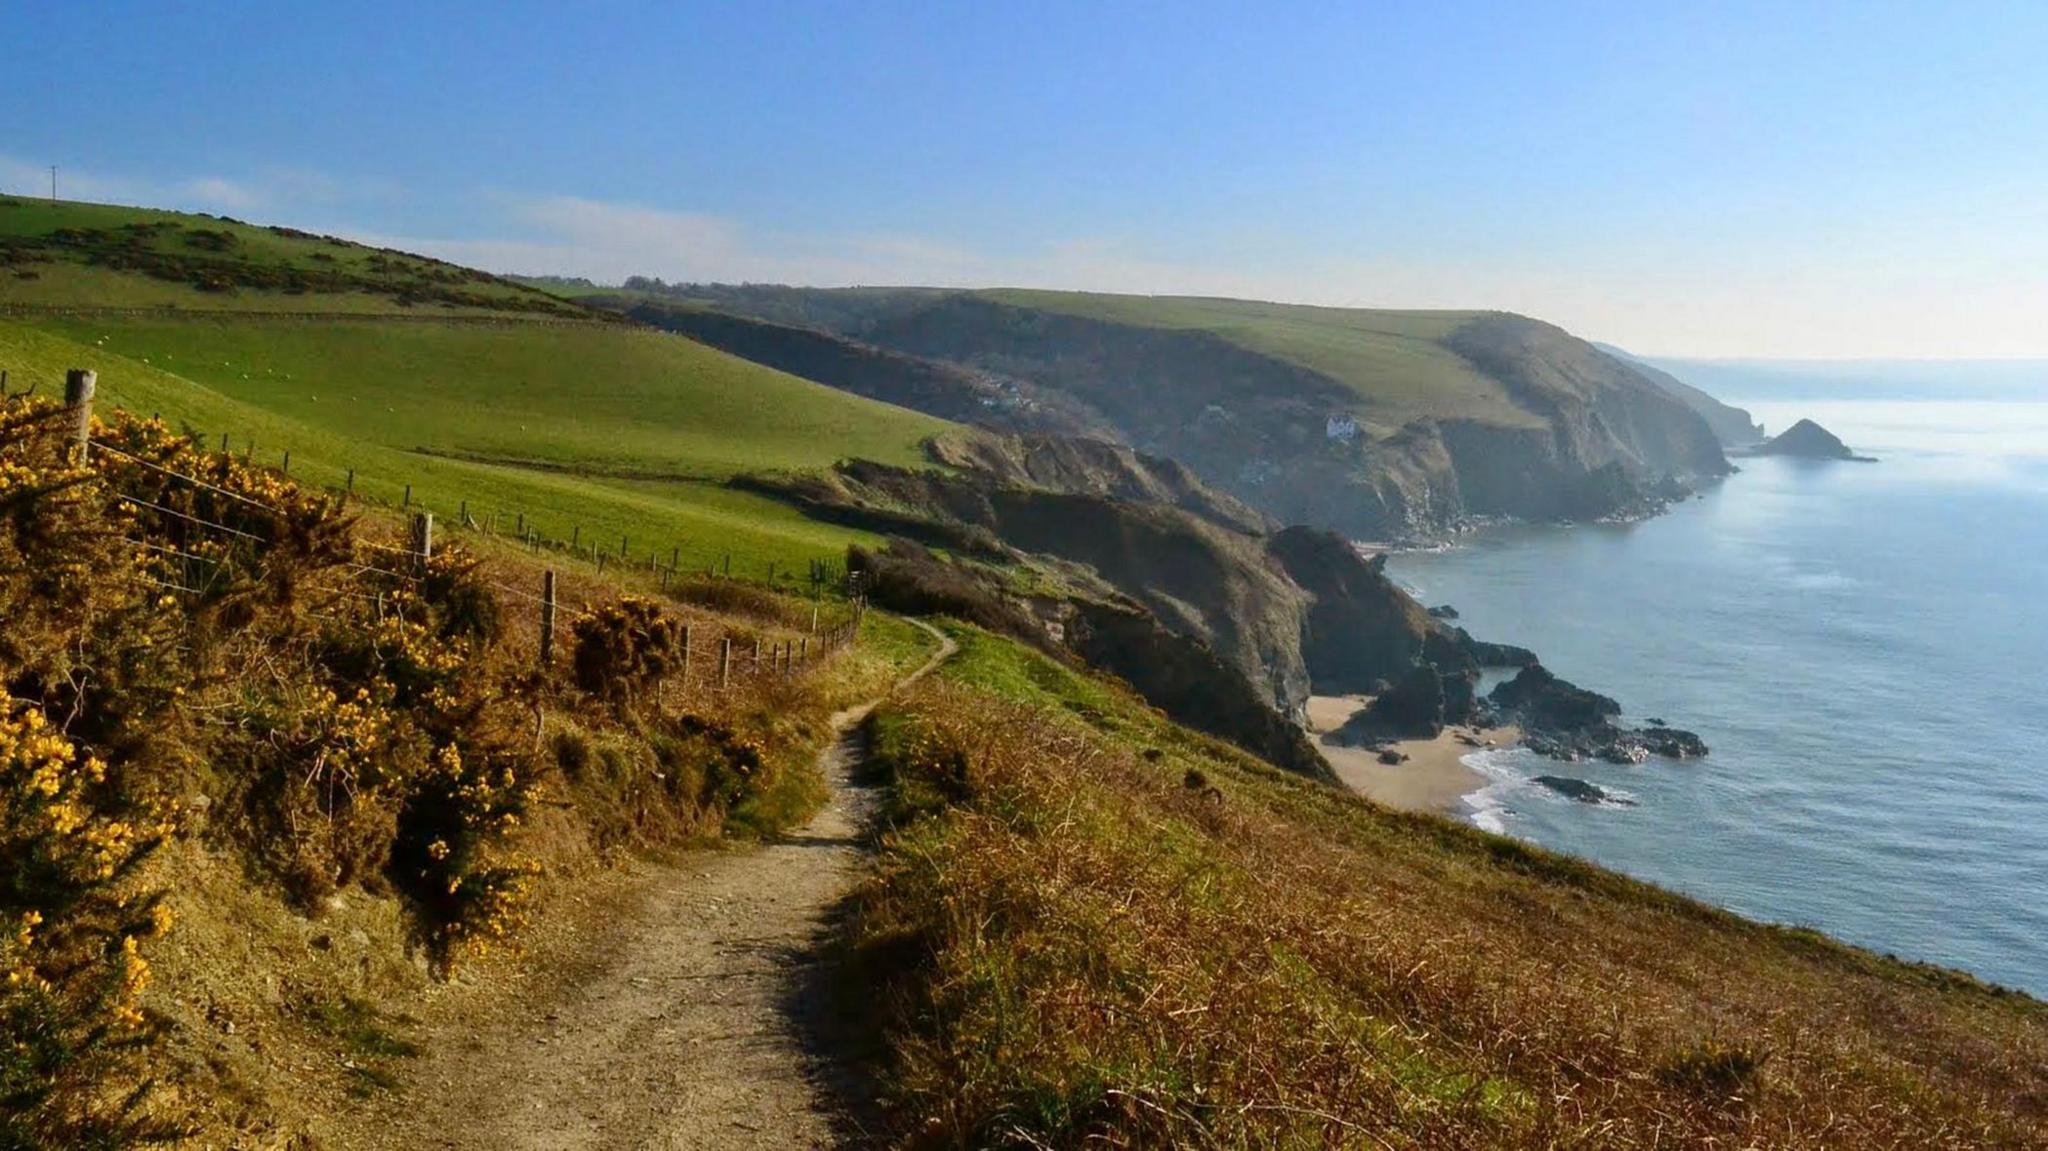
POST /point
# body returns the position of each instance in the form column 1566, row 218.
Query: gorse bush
column 91, row 674
column 73, row 915
column 625, row 649
column 375, row 747
column 180, row 624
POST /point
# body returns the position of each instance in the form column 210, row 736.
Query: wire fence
column 721, row 660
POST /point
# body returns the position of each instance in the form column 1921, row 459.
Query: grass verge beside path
column 1094, row 926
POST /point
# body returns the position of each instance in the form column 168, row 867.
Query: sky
column 1711, row 180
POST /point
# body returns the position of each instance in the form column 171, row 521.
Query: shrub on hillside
column 624, row 649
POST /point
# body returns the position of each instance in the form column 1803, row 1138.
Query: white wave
column 1489, row 806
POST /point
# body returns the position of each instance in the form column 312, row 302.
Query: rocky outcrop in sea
column 1566, row 722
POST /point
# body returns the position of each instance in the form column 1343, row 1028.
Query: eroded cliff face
column 1292, row 610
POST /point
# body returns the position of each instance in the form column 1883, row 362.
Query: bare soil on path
column 676, row 1007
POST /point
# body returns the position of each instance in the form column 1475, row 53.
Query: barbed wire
column 193, row 480
column 534, row 539
column 174, row 551
column 126, row 498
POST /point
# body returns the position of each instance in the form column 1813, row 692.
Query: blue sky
column 1757, row 180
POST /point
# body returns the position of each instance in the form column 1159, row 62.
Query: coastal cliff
column 1384, row 426
column 1131, row 564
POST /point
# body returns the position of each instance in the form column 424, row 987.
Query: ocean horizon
column 1863, row 646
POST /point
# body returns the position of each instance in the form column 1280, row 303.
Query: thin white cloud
column 281, row 191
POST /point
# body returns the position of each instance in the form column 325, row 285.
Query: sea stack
column 1807, row 440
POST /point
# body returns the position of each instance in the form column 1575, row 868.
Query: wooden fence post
column 547, row 617
column 79, row 386
column 686, row 655
column 576, row 538
column 286, row 467
column 757, row 655
column 803, row 651
column 408, row 497
column 724, row 662
column 351, row 482
column 422, row 540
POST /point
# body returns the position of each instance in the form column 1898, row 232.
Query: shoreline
column 1435, row 779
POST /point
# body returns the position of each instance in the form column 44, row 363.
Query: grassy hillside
column 72, row 255
column 478, row 398
column 1097, row 926
column 1395, row 360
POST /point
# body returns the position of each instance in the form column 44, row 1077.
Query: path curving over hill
column 671, row 1013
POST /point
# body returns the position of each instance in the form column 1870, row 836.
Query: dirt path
column 677, row 1013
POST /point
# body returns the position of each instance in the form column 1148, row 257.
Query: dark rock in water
column 1569, row 723
column 1580, row 790
column 1390, row 756
column 1444, row 611
column 1545, row 702
column 1806, row 440
column 1672, row 743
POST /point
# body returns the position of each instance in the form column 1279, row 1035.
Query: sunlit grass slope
column 1096, row 926
column 1395, row 360
column 367, row 395
column 480, row 393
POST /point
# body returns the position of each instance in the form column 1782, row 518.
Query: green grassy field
column 479, row 393
column 1394, row 359
column 704, row 519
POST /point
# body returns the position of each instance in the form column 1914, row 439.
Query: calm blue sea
column 1865, row 648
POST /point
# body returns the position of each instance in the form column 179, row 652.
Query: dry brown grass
column 1082, row 947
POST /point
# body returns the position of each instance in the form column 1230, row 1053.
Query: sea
column 1864, row 646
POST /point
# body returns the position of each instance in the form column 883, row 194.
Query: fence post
column 547, row 617
column 728, row 563
column 757, row 655
column 422, row 539
column 286, row 467
column 351, row 482
column 814, row 618
column 686, row 655
column 408, row 497
column 675, row 556
column 724, row 662
column 803, row 651
column 79, row 386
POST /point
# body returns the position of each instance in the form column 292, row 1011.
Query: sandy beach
column 1433, row 779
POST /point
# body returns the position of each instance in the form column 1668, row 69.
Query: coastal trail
column 677, row 1008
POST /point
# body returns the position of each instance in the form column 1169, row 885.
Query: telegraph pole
column 53, row 183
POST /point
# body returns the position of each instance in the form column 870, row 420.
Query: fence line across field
column 785, row 656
